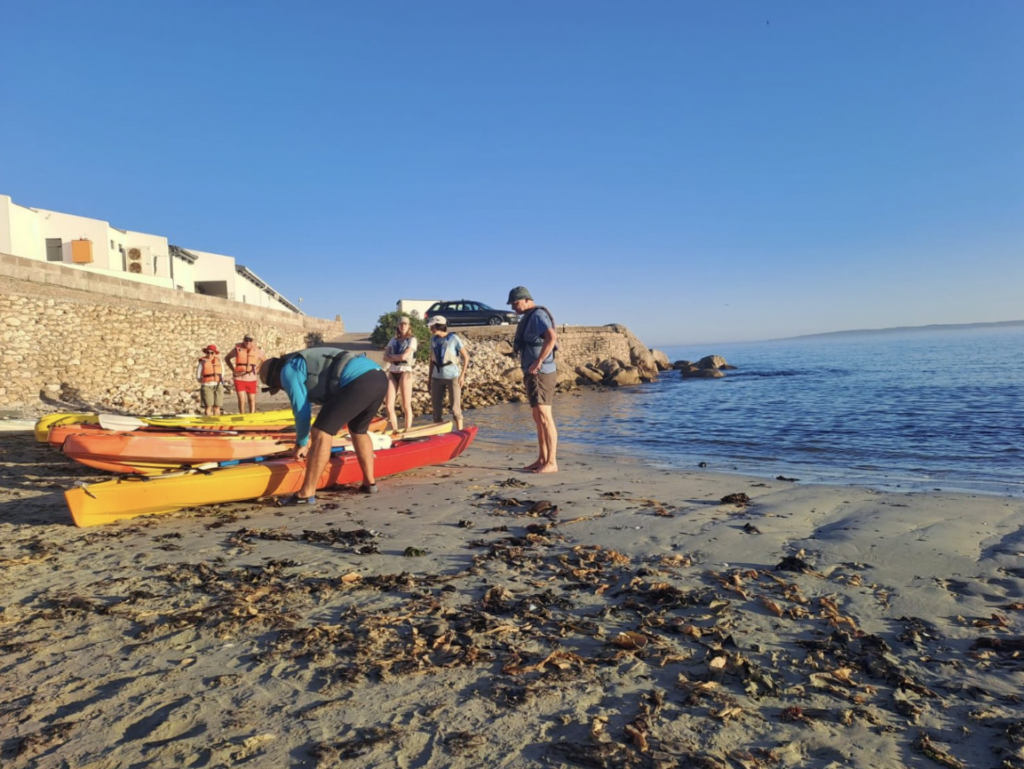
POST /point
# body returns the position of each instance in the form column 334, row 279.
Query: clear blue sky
column 700, row 171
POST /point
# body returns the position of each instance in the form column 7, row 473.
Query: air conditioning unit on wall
column 138, row 260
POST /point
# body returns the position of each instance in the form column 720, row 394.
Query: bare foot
column 550, row 467
column 532, row 467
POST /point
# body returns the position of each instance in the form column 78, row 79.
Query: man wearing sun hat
column 210, row 375
column 535, row 344
column 244, row 361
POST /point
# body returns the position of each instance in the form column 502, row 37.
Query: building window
column 54, row 250
column 111, row 245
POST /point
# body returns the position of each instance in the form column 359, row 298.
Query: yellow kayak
column 262, row 419
column 131, row 496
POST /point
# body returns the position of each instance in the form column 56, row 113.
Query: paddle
column 120, row 423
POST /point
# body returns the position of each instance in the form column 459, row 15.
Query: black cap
column 517, row 293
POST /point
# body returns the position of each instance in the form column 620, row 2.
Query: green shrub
column 385, row 331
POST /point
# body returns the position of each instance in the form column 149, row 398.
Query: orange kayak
column 153, row 454
column 57, row 435
column 132, row 496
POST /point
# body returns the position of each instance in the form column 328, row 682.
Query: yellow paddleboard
column 277, row 417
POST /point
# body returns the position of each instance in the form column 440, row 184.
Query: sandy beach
column 612, row 615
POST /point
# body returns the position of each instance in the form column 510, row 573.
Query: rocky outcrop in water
column 708, row 367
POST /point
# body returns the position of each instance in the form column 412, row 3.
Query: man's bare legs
column 363, row 446
column 547, row 441
column 246, row 400
column 541, row 456
column 319, row 451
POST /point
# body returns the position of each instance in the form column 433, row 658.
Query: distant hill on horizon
column 908, row 329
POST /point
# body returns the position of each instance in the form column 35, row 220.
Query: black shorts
column 355, row 405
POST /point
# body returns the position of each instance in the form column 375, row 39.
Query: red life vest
column 212, row 371
column 246, row 360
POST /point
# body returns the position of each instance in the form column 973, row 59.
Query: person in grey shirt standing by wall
column 446, row 375
column 535, row 343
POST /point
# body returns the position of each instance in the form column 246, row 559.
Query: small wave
column 764, row 374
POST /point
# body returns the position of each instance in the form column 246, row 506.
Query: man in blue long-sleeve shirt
column 350, row 389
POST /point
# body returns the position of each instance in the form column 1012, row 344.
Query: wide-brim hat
column 270, row 375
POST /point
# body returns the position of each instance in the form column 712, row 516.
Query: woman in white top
column 400, row 353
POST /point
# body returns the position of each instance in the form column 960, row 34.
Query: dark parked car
column 464, row 312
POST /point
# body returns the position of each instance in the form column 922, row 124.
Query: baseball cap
column 246, row 338
column 438, row 320
column 211, row 348
column 517, row 293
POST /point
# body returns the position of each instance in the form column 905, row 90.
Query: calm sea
column 921, row 410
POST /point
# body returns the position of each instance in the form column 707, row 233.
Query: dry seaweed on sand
column 545, row 625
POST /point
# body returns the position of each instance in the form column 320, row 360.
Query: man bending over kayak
column 350, row 389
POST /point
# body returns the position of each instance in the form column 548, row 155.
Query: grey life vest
column 323, row 370
column 536, row 343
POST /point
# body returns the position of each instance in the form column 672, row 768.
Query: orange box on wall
column 81, row 251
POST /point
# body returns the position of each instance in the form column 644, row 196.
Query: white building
column 94, row 245
column 417, row 307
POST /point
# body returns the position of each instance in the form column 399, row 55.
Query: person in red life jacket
column 244, row 361
column 535, row 344
column 210, row 375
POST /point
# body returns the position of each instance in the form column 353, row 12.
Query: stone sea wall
column 67, row 337
column 73, row 340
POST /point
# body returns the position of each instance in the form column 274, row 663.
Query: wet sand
column 612, row 615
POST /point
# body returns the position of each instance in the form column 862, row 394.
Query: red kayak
column 129, row 497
